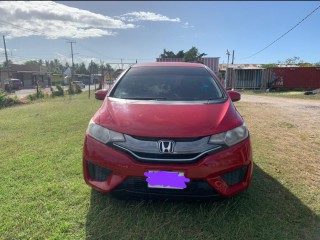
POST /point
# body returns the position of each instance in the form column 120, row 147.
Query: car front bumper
column 224, row 173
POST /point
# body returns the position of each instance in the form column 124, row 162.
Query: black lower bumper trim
column 194, row 189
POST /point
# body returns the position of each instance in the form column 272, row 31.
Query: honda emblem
column 166, row 146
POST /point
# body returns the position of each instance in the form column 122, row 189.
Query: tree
column 269, row 65
column 167, row 54
column 117, row 73
column 66, row 65
column 180, row 54
column 193, row 55
column 81, row 68
column 190, row 56
column 305, row 64
column 93, row 68
column 170, row 54
column 292, row 61
column 31, row 62
column 4, row 64
column 109, row 71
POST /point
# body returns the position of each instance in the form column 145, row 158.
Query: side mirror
column 235, row 96
column 101, row 94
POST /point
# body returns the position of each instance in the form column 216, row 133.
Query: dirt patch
column 299, row 112
column 286, row 141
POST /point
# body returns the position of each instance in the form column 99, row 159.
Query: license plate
column 166, row 179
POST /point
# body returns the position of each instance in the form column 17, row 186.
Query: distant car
column 15, row 84
column 81, row 84
column 168, row 129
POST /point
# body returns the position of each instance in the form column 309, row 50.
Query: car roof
column 169, row 64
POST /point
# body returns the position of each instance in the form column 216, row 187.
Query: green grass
column 43, row 195
column 285, row 94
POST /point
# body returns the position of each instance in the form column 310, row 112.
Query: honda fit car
column 168, row 129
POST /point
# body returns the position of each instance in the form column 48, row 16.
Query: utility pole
column 232, row 57
column 121, row 64
column 5, row 51
column 90, row 77
column 72, row 70
column 102, row 74
column 226, row 74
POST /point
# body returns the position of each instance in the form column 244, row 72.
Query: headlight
column 104, row 135
column 230, row 137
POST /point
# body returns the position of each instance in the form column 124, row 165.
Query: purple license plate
column 166, row 179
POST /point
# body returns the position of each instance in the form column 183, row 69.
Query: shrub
column 32, row 97
column 3, row 98
column 58, row 92
column 74, row 89
column 71, row 90
column 39, row 94
column 77, row 88
column 6, row 101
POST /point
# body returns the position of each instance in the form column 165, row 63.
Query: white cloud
column 9, row 50
column 147, row 16
column 187, row 25
column 54, row 20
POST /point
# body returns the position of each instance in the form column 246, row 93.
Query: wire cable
column 283, row 34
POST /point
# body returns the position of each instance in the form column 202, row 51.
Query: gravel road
column 302, row 112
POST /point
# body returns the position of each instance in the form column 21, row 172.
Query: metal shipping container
column 307, row 78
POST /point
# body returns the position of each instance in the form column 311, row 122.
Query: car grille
column 186, row 150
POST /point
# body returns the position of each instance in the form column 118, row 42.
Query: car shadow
column 267, row 210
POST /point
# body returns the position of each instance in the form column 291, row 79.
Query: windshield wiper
column 214, row 99
column 145, row 98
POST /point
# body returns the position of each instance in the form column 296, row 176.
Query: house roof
column 27, row 68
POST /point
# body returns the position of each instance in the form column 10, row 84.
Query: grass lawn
column 286, row 94
column 43, row 195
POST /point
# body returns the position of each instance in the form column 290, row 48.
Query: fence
column 210, row 62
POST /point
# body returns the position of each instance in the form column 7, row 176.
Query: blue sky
column 110, row 31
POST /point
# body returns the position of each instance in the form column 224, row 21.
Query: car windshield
column 167, row 83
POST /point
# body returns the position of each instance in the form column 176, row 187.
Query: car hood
column 151, row 119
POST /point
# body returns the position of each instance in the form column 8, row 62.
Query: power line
column 283, row 34
column 113, row 58
column 96, row 52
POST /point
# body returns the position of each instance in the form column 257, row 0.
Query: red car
column 15, row 84
column 168, row 129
